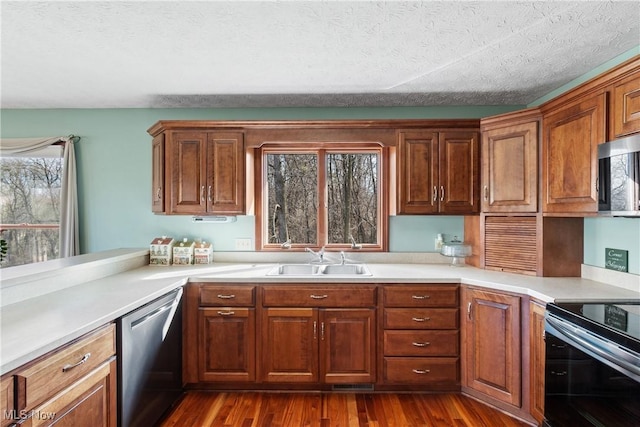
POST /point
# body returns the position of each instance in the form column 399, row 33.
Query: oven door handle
column 597, row 347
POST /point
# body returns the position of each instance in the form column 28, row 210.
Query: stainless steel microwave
column 619, row 177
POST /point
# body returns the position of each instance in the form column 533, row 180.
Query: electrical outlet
column 244, row 245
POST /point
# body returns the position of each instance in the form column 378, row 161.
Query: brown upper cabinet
column 203, row 172
column 510, row 162
column 570, row 155
column 626, row 106
column 438, row 172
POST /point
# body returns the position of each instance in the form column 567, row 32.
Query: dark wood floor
column 332, row 410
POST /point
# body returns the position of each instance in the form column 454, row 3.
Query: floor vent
column 352, row 387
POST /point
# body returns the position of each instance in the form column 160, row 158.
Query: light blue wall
column 114, row 171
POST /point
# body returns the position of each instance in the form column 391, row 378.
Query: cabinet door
column 626, row 107
column 7, row 401
column 417, row 172
column 459, row 170
column 290, row 345
column 188, row 172
column 570, row 156
column 90, row 402
column 226, row 344
column 492, row 359
column 157, row 177
column 537, row 360
column 225, row 172
column 347, row 352
column 510, row 169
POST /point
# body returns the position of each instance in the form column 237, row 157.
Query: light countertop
column 31, row 327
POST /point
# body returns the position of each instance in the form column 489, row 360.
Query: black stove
column 592, row 364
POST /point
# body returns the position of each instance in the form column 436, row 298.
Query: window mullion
column 323, row 203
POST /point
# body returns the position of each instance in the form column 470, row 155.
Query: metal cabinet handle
column 322, row 331
column 420, row 319
column 209, row 194
column 435, row 195
column 319, row 296
column 421, row 344
column 67, row 368
column 469, row 310
column 226, row 313
column 159, row 193
column 559, row 374
column 486, row 193
column 442, row 193
column 202, row 193
column 230, row 296
column 421, row 296
column 315, row 330
column 421, row 371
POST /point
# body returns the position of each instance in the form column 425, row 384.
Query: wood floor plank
column 267, row 409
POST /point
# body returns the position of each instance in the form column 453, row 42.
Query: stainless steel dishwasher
column 149, row 342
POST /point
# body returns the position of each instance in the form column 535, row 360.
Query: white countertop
column 34, row 326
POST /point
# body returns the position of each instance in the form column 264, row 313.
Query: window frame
column 321, row 149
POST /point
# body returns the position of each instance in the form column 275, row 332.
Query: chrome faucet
column 354, row 244
column 319, row 254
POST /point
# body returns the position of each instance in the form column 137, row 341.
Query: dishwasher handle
column 171, row 305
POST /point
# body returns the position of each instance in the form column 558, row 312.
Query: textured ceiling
column 91, row 54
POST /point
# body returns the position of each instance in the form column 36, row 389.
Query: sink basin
column 294, row 270
column 346, row 269
column 320, row 270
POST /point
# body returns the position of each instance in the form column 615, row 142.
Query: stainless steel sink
column 348, row 270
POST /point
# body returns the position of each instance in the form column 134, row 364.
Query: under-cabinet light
column 218, row 219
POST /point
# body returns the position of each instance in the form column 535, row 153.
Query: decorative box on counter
column 183, row 252
column 203, row 253
column 161, row 250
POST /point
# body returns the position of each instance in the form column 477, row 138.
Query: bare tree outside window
column 347, row 187
column 30, row 208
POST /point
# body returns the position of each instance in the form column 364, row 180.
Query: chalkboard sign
column 616, row 317
column 616, row 259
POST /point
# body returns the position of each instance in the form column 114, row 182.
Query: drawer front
column 421, row 343
column 421, row 318
column 319, row 296
column 233, row 296
column 421, row 370
column 421, row 296
column 61, row 368
column 6, row 401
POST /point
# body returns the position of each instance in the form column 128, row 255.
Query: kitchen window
column 322, row 197
column 30, row 209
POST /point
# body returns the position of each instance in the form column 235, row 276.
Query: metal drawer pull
column 559, row 346
column 421, row 344
column 559, row 374
column 421, row 371
column 420, row 319
column 67, row 368
column 319, row 296
column 226, row 296
column 420, row 296
column 226, row 313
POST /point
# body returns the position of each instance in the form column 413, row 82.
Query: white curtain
column 69, row 239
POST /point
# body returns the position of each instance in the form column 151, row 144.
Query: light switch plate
column 244, row 245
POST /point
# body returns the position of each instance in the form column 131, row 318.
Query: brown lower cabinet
column 536, row 360
column 74, row 385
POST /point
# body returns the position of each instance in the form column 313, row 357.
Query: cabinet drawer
column 319, row 296
column 421, row 370
column 421, row 318
column 233, row 296
column 421, row 296
column 421, row 343
column 60, row 369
